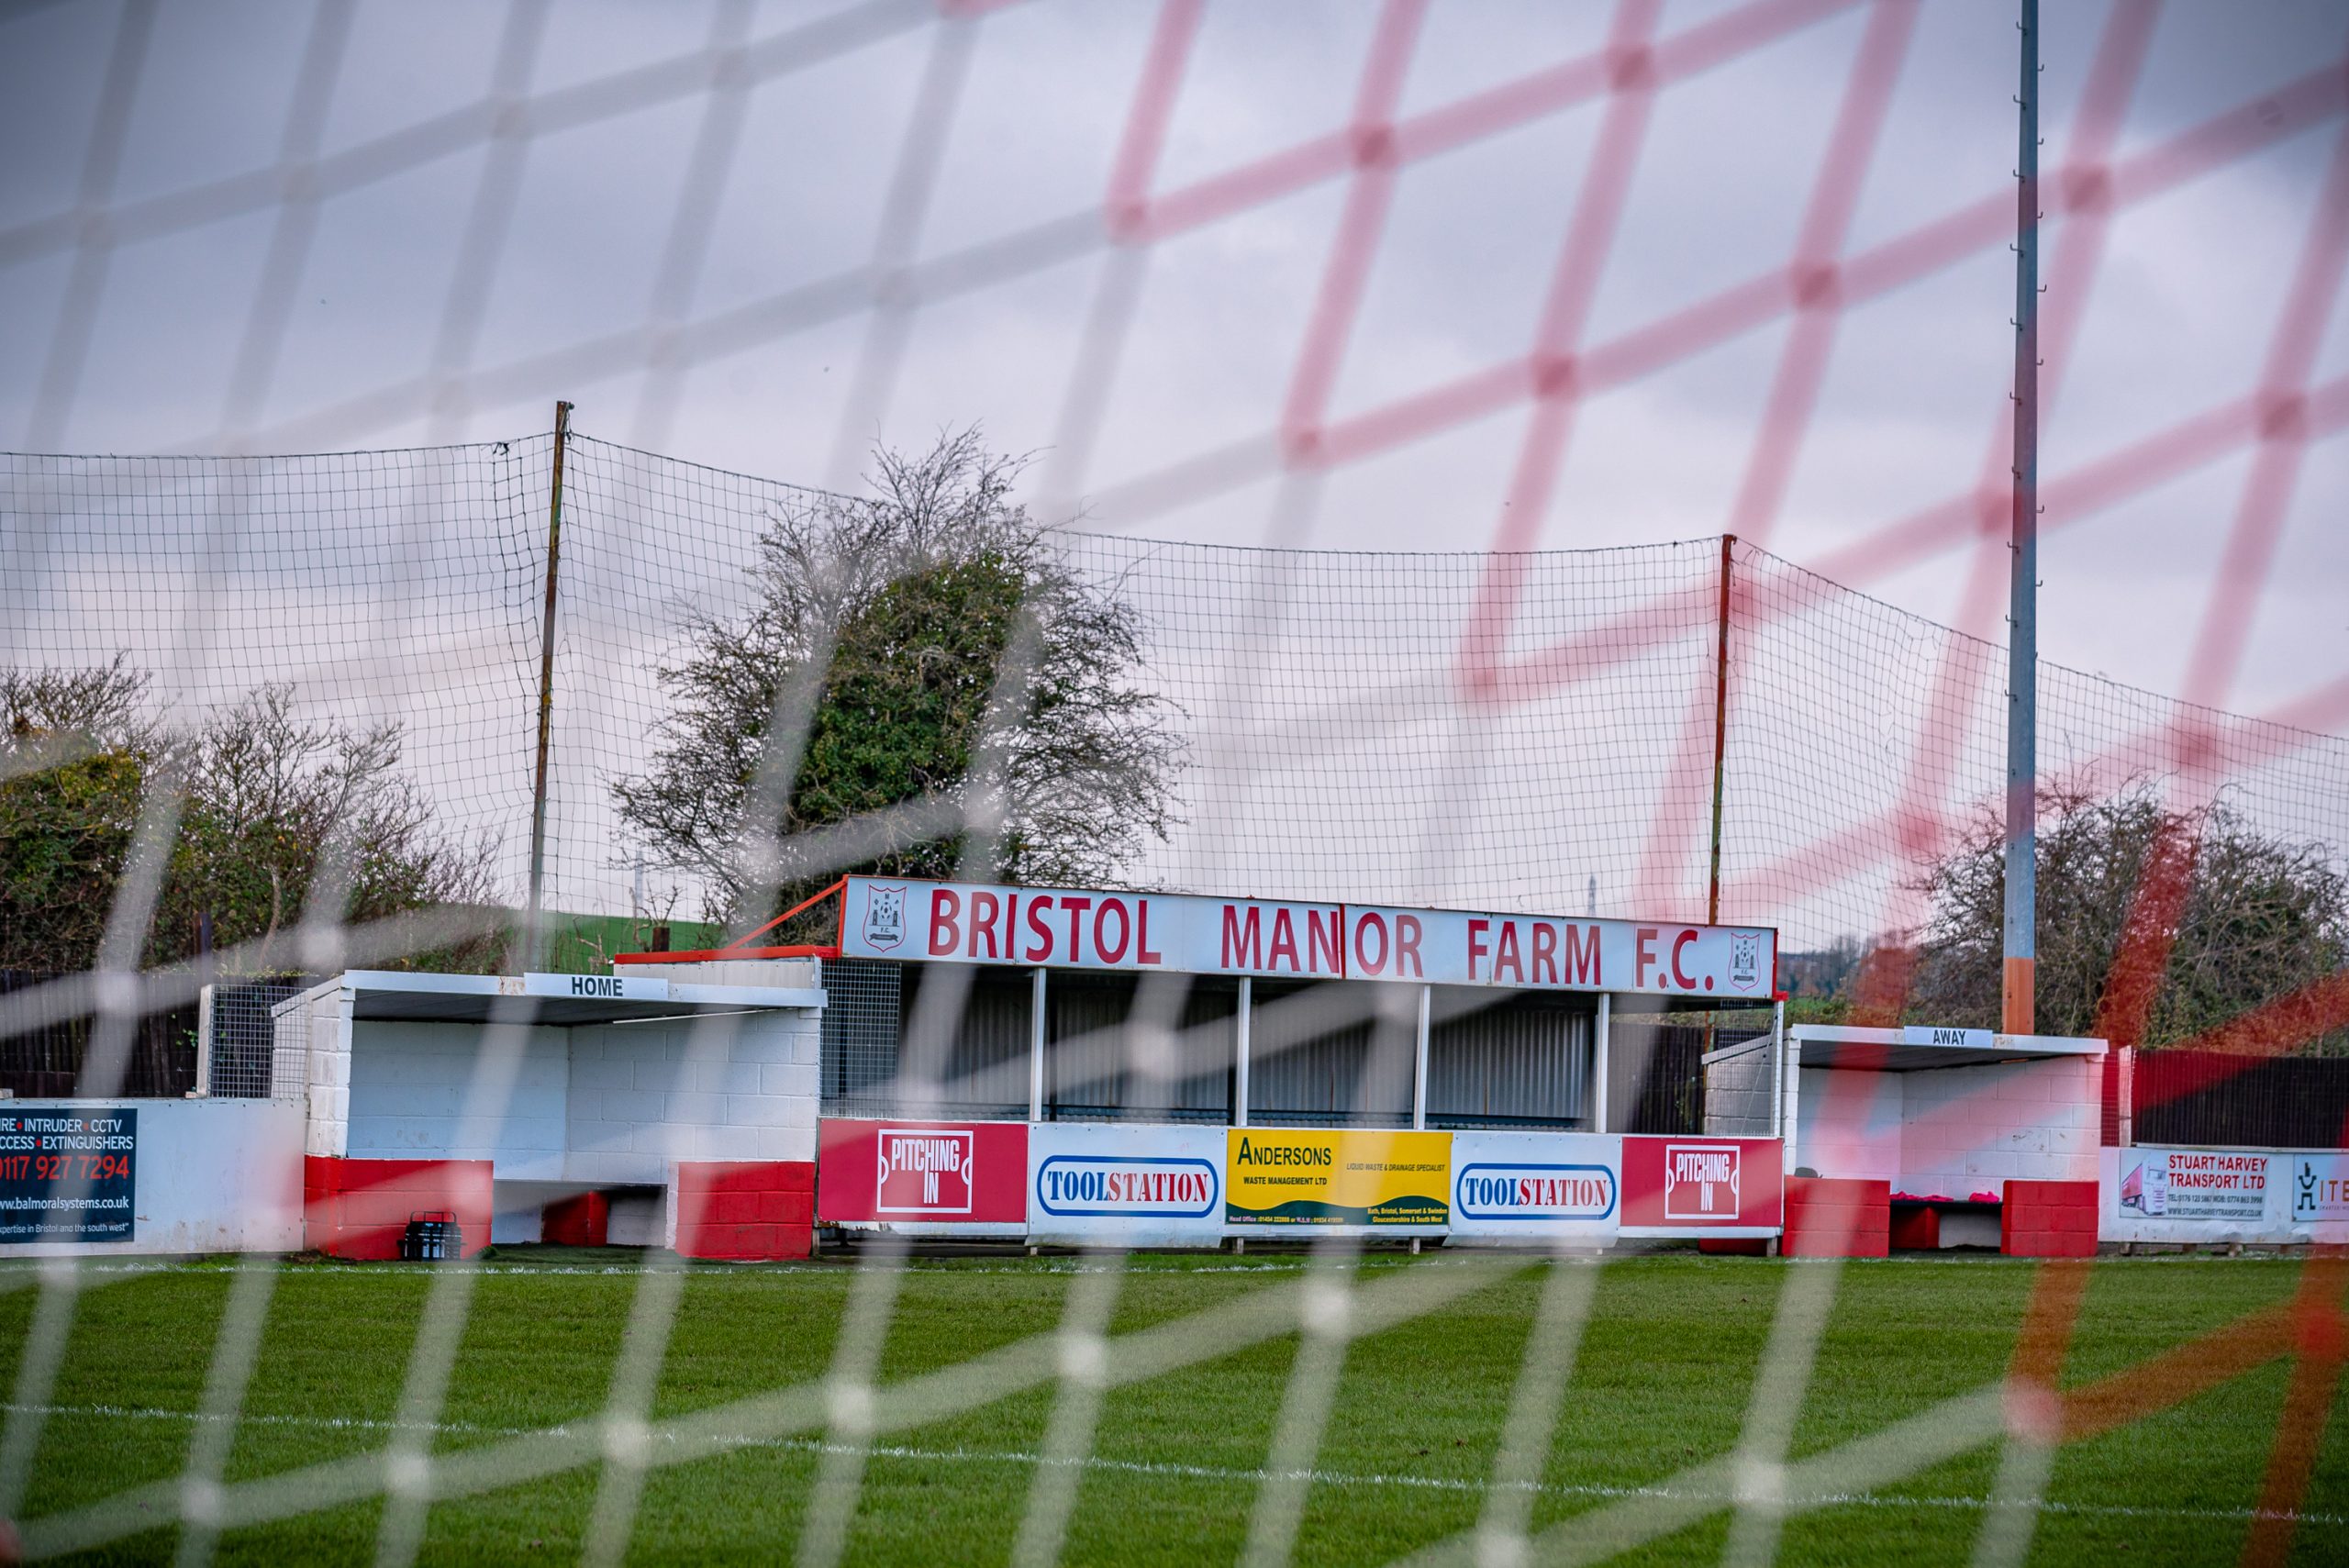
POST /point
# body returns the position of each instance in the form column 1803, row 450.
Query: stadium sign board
column 69, row 1173
column 1121, row 1184
column 2320, row 1188
column 922, row 1174
column 1180, row 933
column 2225, row 1186
column 1526, row 1186
column 1722, row 1187
column 1324, row 1177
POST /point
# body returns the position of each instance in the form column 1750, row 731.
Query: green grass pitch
column 1662, row 1384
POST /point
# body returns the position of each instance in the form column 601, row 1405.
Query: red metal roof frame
column 739, row 947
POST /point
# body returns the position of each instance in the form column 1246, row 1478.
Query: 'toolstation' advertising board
column 1125, row 1187
column 1536, row 1186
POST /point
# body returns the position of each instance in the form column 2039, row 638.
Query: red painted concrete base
column 358, row 1208
column 1832, row 1216
column 2048, row 1220
column 746, row 1209
column 583, row 1220
column 1917, row 1228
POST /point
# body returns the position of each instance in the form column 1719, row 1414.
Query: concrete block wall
column 1737, row 1095
column 646, row 1095
column 408, row 1089
column 1848, row 1123
column 310, row 1061
column 1974, row 1129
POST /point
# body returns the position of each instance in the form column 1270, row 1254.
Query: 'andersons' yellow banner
column 1303, row 1176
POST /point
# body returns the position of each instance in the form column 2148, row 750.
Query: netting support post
column 534, row 939
column 2017, row 980
column 1720, row 741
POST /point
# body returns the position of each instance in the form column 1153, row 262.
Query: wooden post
column 533, row 940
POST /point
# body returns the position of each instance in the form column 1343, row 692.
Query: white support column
column 1790, row 1095
column 1598, row 1064
column 1777, row 1069
column 1420, row 1069
column 1036, row 1018
column 1240, row 1078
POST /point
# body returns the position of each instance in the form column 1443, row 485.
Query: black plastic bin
column 432, row 1236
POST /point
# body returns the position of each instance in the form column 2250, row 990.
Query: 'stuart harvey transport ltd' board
column 944, row 922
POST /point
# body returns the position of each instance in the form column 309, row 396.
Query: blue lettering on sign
column 1534, row 1192
column 1141, row 1186
column 595, row 985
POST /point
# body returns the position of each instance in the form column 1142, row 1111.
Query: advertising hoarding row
column 2223, row 1195
column 1118, row 1185
column 1180, row 933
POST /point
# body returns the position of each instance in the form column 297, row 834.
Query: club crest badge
column 884, row 917
column 1745, row 960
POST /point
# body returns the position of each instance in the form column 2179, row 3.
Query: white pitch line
column 1176, row 1470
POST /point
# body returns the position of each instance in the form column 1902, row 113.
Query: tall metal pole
column 2020, row 947
column 534, row 932
column 1721, row 737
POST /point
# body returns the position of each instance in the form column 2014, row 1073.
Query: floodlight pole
column 2017, row 978
column 533, row 940
column 1721, row 737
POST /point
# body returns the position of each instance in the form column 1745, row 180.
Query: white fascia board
column 569, row 987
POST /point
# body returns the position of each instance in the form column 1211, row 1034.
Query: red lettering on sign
column 1243, row 942
column 984, row 909
column 1582, row 962
column 1144, row 952
column 1283, row 941
column 1364, row 963
column 1076, row 908
column 1101, row 947
column 1406, row 946
column 1679, row 977
column 1644, row 957
column 1509, row 959
column 1545, row 953
column 1042, row 946
column 945, row 929
column 1332, row 942
column 1477, row 949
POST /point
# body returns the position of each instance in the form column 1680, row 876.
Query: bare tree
column 2156, row 923
column 270, row 804
column 928, row 601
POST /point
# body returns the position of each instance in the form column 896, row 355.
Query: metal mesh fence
column 1521, row 731
column 243, row 1046
column 1356, row 725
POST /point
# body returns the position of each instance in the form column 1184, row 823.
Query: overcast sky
column 582, row 221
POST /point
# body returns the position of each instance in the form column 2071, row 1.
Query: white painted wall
column 1954, row 1132
column 646, row 1095
column 410, row 1098
column 210, row 1176
column 1970, row 1129
column 587, row 1105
